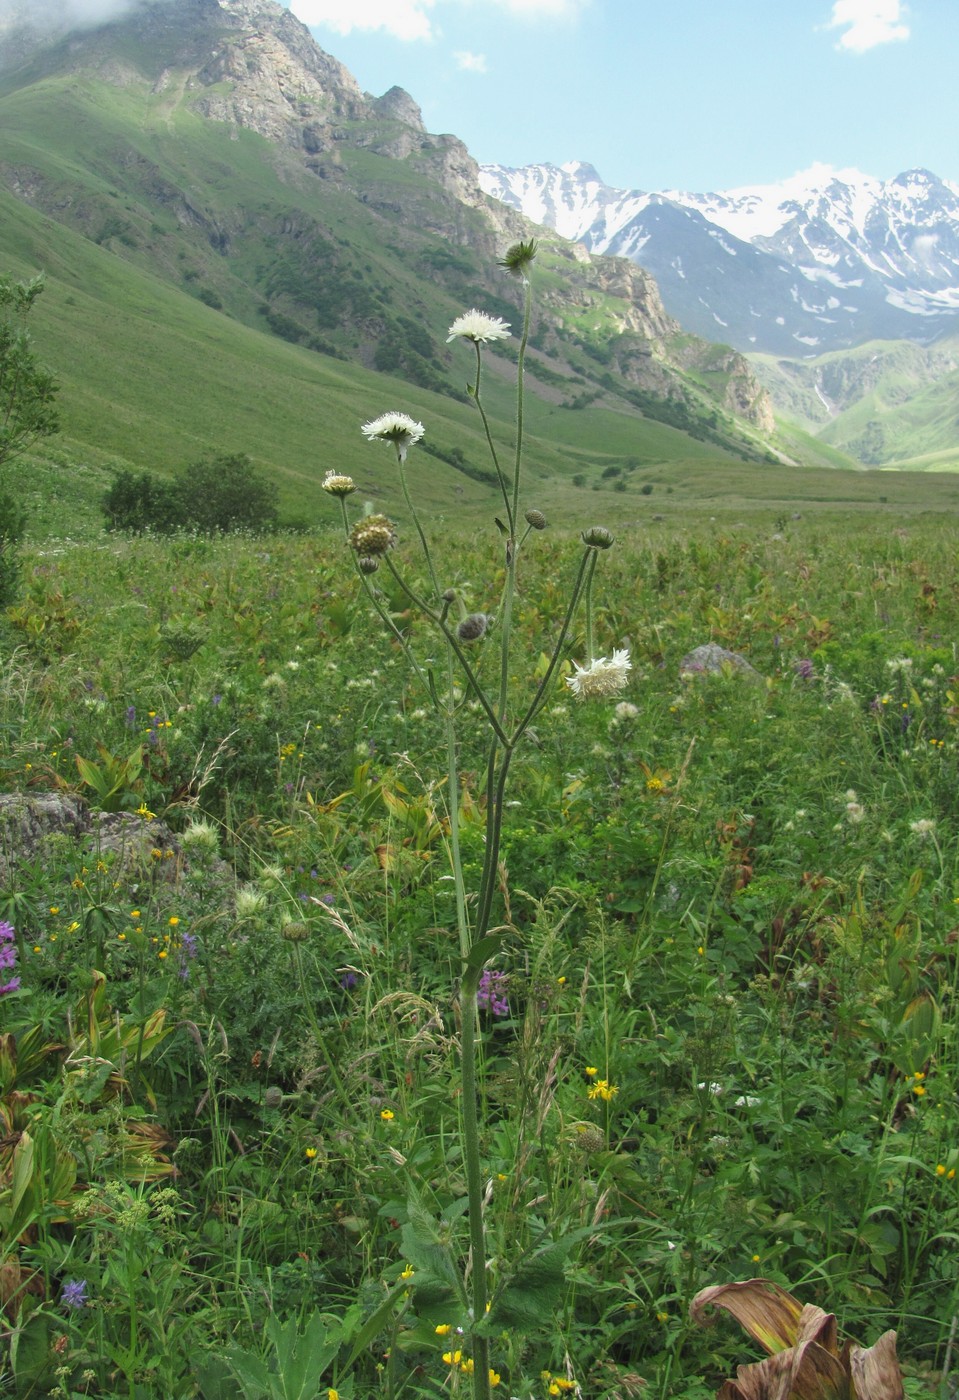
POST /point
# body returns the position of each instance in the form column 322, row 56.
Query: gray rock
column 712, row 659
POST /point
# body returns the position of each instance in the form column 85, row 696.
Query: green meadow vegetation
column 712, row 1014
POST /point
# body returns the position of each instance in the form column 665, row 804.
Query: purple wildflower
column 491, row 993
column 328, row 899
column 131, row 717
column 348, row 981
column 804, row 669
column 73, row 1294
column 8, row 956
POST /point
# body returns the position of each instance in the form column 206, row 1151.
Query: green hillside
column 886, row 403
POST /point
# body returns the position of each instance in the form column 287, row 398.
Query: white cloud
column 410, row 19
column 470, row 62
column 404, row 19
column 868, row 23
column 548, row 9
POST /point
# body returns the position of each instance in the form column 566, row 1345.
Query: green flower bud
column 597, row 537
column 518, row 259
column 536, row 519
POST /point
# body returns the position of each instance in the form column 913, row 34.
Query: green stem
column 479, row 1346
column 383, row 614
column 453, row 642
column 416, row 521
column 489, row 441
column 589, row 620
column 587, row 567
column 520, row 375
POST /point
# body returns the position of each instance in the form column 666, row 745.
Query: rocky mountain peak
column 399, row 106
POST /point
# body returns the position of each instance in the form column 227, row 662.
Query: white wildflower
column 479, row 328
column 855, row 812
column 338, row 485
column 604, row 676
column 397, row 428
column 922, row 828
column 626, row 710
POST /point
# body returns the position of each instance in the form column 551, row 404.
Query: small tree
column 27, row 392
column 224, row 493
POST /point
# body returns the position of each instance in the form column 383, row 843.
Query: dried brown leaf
column 767, row 1312
column 875, row 1370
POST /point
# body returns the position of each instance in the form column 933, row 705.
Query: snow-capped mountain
column 823, row 261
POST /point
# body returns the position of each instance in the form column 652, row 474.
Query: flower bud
column 591, row 1138
column 472, row 627
column 597, row 537
column 536, row 519
column 338, row 485
column 295, row 932
column 273, row 1097
column 518, row 259
column 449, row 596
column 367, row 564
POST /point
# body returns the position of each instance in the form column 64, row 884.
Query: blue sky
column 684, row 94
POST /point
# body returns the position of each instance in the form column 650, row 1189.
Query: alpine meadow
column 479, row 852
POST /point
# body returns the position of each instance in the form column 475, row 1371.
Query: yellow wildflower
column 602, row 1089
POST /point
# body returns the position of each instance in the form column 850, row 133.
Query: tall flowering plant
column 372, row 539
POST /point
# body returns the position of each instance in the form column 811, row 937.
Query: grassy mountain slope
column 886, row 403
column 214, row 287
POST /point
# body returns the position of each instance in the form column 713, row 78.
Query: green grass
column 726, row 883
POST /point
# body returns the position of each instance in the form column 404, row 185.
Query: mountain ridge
column 825, row 260
column 213, row 143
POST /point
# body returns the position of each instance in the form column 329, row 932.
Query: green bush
column 217, row 495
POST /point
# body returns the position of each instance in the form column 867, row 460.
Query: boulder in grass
column 712, row 659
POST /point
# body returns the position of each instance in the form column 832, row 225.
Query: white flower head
column 338, row 485
column 397, row 428
column 922, row 828
column 479, row 328
column 604, row 676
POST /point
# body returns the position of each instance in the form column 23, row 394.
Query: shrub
column 217, row 495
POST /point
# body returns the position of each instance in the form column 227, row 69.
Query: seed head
column 472, row 627
column 295, row 932
column 373, row 535
column 536, row 519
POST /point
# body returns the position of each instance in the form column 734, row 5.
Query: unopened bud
column 273, row 1097
column 295, row 932
column 536, row 519
column 449, row 596
column 367, row 564
column 597, row 537
column 472, row 627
